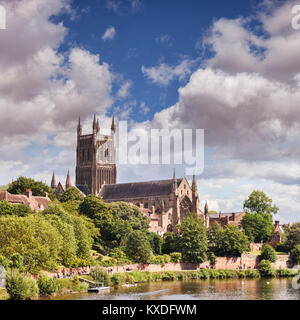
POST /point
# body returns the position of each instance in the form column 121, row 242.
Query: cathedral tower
column 96, row 158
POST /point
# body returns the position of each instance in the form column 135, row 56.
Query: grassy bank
column 144, row 276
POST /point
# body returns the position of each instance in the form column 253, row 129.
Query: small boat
column 97, row 289
column 129, row 285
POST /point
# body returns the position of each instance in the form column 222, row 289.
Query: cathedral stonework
column 166, row 202
column 95, row 158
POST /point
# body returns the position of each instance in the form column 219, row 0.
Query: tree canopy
column 258, row 202
column 71, row 194
column 192, row 239
column 38, row 188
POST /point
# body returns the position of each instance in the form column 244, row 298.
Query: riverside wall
column 246, row 261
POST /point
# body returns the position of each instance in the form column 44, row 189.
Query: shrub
column 168, row 276
column 20, row 287
column 100, row 276
column 118, row 278
column 295, row 255
column 265, row 269
column 285, row 273
column 212, row 259
column 176, row 257
column 4, row 262
column 268, row 253
column 47, row 286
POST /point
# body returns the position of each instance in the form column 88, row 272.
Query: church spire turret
column 174, row 180
column 79, row 127
column 194, row 183
column 94, row 123
column 113, row 127
column 53, row 181
column 68, row 181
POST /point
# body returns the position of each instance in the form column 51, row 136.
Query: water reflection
column 266, row 289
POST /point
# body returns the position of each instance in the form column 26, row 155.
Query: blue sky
column 229, row 67
column 180, row 25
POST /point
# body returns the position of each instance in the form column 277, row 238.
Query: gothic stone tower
column 96, row 158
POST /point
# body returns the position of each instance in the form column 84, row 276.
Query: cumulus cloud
column 164, row 73
column 124, row 90
column 109, row 34
column 42, row 91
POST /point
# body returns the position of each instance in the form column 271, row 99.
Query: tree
column 155, row 241
column 93, row 205
column 268, row 253
column 265, row 269
column 38, row 188
column 293, row 236
column 215, row 238
column 130, row 213
column 258, row 226
column 137, row 247
column 295, row 255
column 258, row 202
column 170, row 242
column 7, row 208
column 33, row 238
column 71, row 194
column 192, row 239
column 234, row 241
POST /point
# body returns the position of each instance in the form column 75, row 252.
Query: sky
column 230, row 67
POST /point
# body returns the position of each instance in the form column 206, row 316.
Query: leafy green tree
column 7, row 208
column 265, row 269
column 92, row 206
column 268, row 253
column 258, row 202
column 193, row 241
column 293, row 236
column 295, row 255
column 100, row 276
column 258, row 222
column 16, row 262
column 215, row 238
column 170, row 242
column 137, row 247
column 234, row 241
column 71, row 194
column 130, row 213
column 78, row 233
column 32, row 237
column 38, row 188
column 258, row 226
column 155, row 242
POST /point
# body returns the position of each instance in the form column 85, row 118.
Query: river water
column 262, row 289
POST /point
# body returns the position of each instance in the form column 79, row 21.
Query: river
column 262, row 289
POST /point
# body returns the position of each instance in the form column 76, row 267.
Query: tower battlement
column 96, row 158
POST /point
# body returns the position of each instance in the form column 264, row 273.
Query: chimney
column 28, row 193
column 233, row 216
column 220, row 215
column 227, row 219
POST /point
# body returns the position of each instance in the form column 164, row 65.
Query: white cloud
column 124, row 90
column 164, row 73
column 42, row 92
column 109, row 34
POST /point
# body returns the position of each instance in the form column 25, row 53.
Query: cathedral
column 166, row 202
